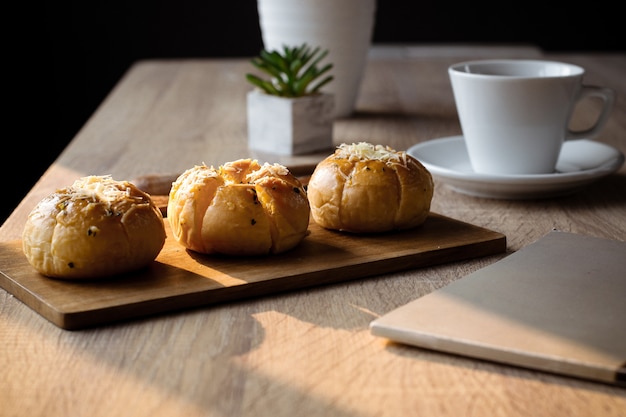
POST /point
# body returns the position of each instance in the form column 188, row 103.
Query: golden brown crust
column 363, row 188
column 239, row 208
column 98, row 227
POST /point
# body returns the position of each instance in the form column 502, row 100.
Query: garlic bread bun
column 239, row 208
column 366, row 188
column 95, row 228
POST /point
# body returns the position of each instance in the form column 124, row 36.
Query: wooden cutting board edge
column 489, row 243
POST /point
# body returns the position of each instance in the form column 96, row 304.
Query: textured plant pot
column 290, row 126
column 343, row 27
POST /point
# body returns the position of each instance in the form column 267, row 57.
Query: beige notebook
column 557, row 305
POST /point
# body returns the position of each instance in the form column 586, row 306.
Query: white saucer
column 581, row 162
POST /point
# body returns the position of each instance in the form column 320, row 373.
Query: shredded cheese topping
column 196, row 176
column 103, row 189
column 274, row 170
column 367, row 151
column 200, row 173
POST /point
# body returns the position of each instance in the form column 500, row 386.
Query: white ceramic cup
column 515, row 114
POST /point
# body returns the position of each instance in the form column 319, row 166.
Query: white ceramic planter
column 290, row 126
column 343, row 27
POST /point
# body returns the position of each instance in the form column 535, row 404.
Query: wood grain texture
column 180, row 279
column 306, row 352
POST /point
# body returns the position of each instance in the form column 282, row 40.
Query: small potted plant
column 288, row 114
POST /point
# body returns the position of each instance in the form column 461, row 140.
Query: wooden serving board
column 181, row 279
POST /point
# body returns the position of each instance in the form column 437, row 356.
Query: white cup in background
column 515, row 114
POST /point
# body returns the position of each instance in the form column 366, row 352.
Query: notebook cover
column 557, row 305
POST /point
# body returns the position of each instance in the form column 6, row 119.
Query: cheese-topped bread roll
column 95, row 228
column 239, row 208
column 365, row 188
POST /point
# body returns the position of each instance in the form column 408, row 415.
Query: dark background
column 86, row 46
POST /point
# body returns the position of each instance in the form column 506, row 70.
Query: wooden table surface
column 307, row 352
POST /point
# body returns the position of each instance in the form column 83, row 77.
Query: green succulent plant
column 293, row 72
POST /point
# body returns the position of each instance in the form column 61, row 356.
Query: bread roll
column 240, row 208
column 363, row 188
column 98, row 227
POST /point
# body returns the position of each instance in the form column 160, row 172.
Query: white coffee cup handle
column 608, row 97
